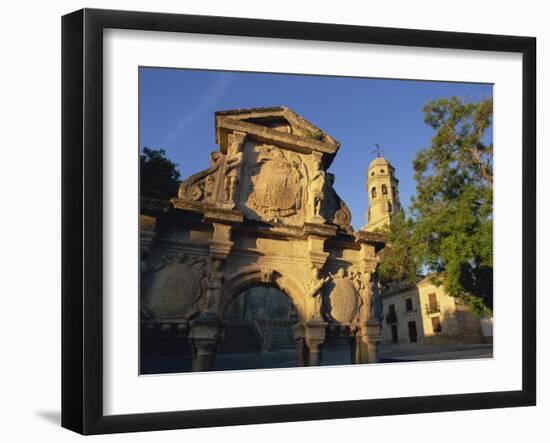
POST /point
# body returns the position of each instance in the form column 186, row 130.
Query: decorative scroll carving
column 276, row 185
column 340, row 214
column 342, row 217
column 201, row 187
column 174, row 286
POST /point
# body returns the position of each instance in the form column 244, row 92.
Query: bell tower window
column 384, row 189
column 373, row 192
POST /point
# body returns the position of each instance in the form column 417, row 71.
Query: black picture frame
column 82, row 218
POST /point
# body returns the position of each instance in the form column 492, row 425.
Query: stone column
column 361, row 350
column 372, row 350
column 314, row 338
column 205, row 336
column 314, row 353
column 298, row 331
column 367, row 342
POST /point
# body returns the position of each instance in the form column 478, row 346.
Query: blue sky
column 177, row 114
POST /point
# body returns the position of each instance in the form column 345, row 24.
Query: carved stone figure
column 214, row 284
column 361, row 282
column 317, row 191
column 232, row 168
column 313, row 292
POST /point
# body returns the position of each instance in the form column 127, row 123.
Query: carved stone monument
column 264, row 212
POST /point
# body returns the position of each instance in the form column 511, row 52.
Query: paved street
column 421, row 352
column 389, row 353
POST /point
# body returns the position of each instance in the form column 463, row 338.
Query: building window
column 432, row 307
column 381, row 171
column 373, row 192
column 384, row 190
column 391, row 317
column 393, row 191
column 372, row 174
column 436, row 324
column 408, row 304
column 390, row 207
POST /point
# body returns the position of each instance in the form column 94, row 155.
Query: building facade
column 425, row 313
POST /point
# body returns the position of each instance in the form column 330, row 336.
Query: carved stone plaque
column 175, row 288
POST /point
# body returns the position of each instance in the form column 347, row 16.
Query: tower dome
column 383, row 194
column 378, row 161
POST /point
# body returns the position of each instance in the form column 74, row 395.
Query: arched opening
column 258, row 331
column 373, row 192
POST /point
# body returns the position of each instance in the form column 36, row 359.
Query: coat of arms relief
column 275, row 180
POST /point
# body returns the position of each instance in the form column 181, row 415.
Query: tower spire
column 383, row 193
column 377, row 150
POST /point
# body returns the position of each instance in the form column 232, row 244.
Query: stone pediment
column 277, row 125
column 271, row 167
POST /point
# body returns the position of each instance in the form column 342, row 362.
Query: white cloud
column 217, row 91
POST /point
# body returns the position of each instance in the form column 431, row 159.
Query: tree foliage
column 159, row 176
column 398, row 260
column 452, row 212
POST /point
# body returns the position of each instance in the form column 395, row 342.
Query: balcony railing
column 391, row 318
column 432, row 308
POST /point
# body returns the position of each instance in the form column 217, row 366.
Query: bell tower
column 383, row 194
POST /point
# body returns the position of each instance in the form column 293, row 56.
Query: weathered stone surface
column 265, row 212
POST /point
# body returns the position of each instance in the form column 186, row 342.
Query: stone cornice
column 294, row 119
column 264, row 134
column 375, row 239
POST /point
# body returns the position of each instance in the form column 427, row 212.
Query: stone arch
column 256, row 276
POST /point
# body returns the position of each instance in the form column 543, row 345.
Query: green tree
column 450, row 233
column 159, row 176
column 453, row 207
column 398, row 259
